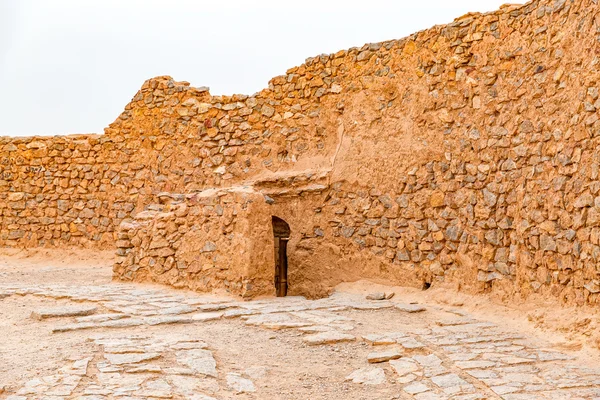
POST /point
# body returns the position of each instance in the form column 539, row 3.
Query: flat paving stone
column 416, row 388
column 66, row 311
column 239, row 384
column 448, row 380
column 207, row 316
column 277, row 321
column 121, row 323
column 383, row 356
column 169, row 319
column 158, row 388
column 199, row 360
column 410, row 343
column 130, row 358
column 143, row 369
column 328, row 337
column 367, row 376
column 101, row 317
column 460, row 358
column 199, row 396
column 475, row 364
column 410, row 308
column 404, row 366
column 379, row 340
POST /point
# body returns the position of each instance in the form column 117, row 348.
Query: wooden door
column 281, row 268
column 281, row 235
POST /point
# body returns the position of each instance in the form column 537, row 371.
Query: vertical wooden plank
column 283, row 267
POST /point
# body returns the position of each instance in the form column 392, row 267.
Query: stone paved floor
column 454, row 357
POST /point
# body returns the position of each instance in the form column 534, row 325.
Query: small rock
column 592, row 286
column 437, row 199
column 376, row 296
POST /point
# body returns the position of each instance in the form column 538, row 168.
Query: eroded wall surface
column 465, row 153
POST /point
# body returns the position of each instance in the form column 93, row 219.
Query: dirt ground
column 290, row 367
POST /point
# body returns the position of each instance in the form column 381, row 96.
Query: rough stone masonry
column 463, row 154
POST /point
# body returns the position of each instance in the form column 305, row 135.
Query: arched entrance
column 281, row 235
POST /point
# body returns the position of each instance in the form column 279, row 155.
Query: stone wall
column 171, row 137
column 69, row 190
column 209, row 240
column 462, row 154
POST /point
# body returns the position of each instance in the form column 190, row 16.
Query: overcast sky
column 70, row 66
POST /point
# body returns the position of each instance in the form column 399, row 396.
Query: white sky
column 70, row 66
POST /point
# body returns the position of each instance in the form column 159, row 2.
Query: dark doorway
column 281, row 233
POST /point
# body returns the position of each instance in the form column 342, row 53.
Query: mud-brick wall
column 216, row 239
column 71, row 190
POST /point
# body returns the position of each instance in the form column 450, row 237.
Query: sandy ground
column 29, row 349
